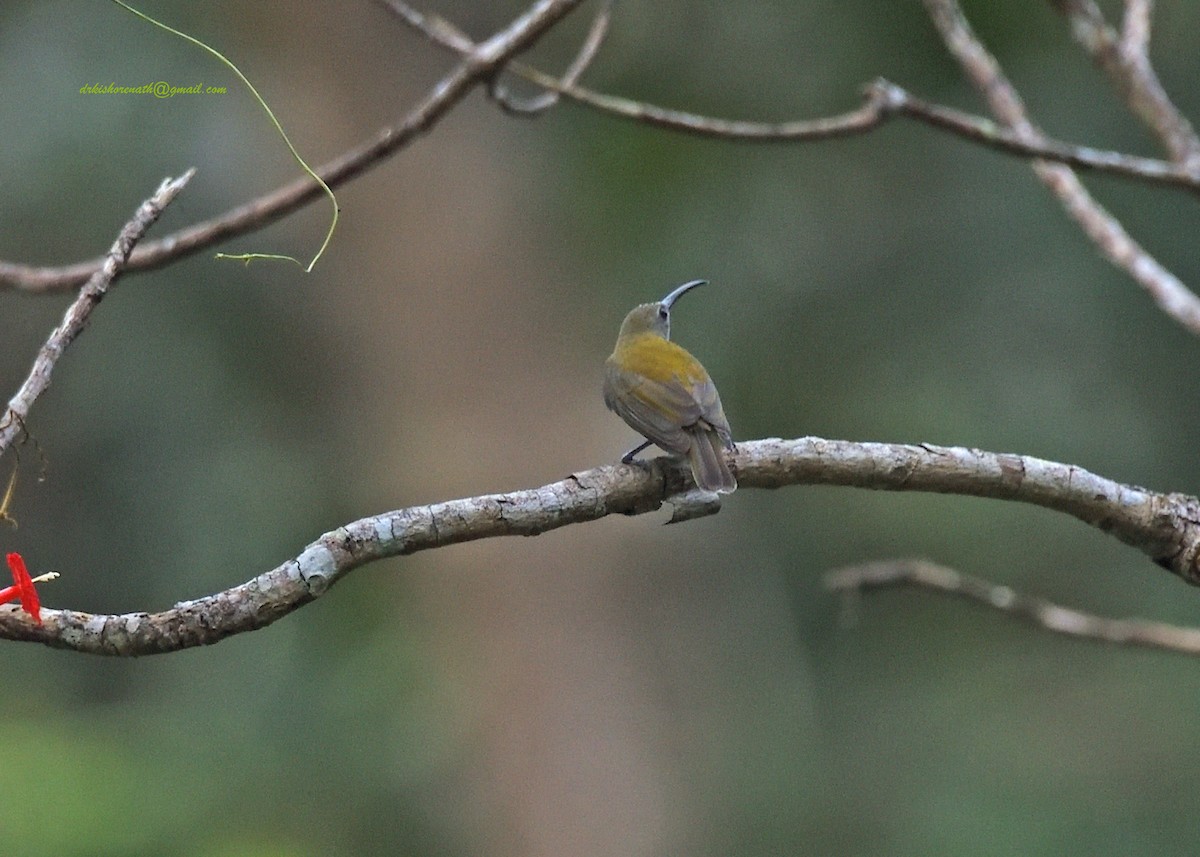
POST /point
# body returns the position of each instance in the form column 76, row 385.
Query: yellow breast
column 658, row 359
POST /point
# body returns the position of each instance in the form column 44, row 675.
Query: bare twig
column 866, row 118
column 988, row 133
column 1125, row 58
column 77, row 314
column 1045, row 614
column 883, row 100
column 510, row 103
column 436, row 28
column 1135, row 29
column 445, row 34
column 1164, row 526
column 477, row 66
column 1167, row 290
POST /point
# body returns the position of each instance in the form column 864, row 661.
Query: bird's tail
column 706, row 455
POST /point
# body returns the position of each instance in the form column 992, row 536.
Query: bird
column 664, row 394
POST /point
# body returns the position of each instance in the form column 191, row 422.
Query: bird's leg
column 627, row 458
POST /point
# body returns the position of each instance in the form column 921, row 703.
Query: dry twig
column 80, row 310
column 1131, row 69
column 1167, row 290
column 883, row 101
column 546, row 100
column 853, row 580
column 1125, row 58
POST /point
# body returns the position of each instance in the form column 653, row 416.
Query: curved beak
column 674, row 296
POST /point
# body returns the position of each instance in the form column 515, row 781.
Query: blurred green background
column 618, row 687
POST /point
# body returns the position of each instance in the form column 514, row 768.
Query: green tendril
column 248, row 257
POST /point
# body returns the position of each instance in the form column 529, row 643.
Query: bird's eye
column 664, row 313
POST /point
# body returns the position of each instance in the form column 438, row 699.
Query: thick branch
column 1164, row 526
column 479, row 65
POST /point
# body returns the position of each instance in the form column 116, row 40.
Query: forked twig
column 447, row 35
column 537, row 104
column 1105, row 231
column 1125, row 58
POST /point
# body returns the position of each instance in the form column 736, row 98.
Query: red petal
column 25, row 588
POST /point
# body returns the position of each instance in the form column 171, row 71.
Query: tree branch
column 1105, row 231
column 80, row 310
column 1125, row 58
column 477, row 66
column 1021, row 137
column 1164, row 526
column 883, row 101
column 1041, row 612
column 546, row 100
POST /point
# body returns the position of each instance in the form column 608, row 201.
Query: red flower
column 23, row 588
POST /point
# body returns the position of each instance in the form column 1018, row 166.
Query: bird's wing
column 704, row 391
column 658, row 410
